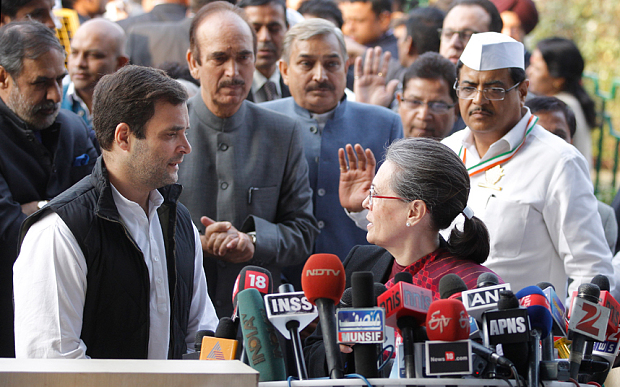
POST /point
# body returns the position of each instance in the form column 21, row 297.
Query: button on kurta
column 314, row 129
column 223, row 147
column 320, row 192
column 224, row 185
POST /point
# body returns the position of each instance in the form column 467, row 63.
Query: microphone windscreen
column 487, row 279
column 538, row 309
column 507, row 300
column 362, row 283
column 260, row 340
column 601, row 281
column 403, row 276
column 198, row 338
column 346, row 301
column 447, row 320
column 450, row 284
column 544, row 285
column 323, row 277
column 590, row 292
column 379, row 289
column 227, row 328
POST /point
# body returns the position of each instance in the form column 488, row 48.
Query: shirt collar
column 508, row 142
column 130, row 210
column 259, row 81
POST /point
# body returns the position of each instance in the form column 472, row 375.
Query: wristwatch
column 252, row 235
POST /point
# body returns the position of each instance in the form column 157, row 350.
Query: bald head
column 97, row 49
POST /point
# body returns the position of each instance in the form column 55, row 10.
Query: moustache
column 266, row 46
column 482, row 109
column 46, row 106
column 231, row 82
column 320, row 86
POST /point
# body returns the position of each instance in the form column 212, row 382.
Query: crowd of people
column 184, row 143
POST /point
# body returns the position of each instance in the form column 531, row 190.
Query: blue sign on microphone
column 360, row 325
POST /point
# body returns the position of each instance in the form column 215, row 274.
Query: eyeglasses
column 491, row 93
column 438, row 107
column 464, row 35
column 371, row 195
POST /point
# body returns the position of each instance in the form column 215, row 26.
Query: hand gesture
column 355, row 176
column 370, row 79
column 222, row 241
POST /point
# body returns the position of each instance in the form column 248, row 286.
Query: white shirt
column 543, row 223
column 50, row 286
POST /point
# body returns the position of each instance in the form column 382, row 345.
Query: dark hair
column 211, row 9
column 25, row 40
column 422, row 25
column 496, row 24
column 324, row 9
column 516, row 74
column 11, row 7
column 431, row 65
column 176, row 70
column 378, row 6
column 565, row 61
column 552, row 104
column 129, row 96
column 429, row 171
column 258, row 3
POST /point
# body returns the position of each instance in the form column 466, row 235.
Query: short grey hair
column 25, row 39
column 308, row 29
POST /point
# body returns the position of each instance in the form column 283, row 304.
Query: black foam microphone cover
column 544, row 285
column 364, row 295
column 507, row 300
column 450, row 284
column 487, row 279
column 589, row 292
column 346, row 301
column 227, row 328
column 403, row 276
column 198, row 340
column 601, row 281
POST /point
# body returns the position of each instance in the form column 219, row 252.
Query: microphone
column 223, row 346
column 558, row 311
column 290, row 312
column 607, row 350
column 487, row 279
column 405, row 307
column 541, row 322
column 260, row 340
column 588, row 320
column 255, row 277
column 447, row 320
column 197, row 345
column 451, row 285
column 479, row 300
column 509, row 326
column 365, row 355
column 323, row 281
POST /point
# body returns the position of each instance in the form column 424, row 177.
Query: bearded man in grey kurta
column 247, row 179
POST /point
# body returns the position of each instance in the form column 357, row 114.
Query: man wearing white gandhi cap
column 531, row 189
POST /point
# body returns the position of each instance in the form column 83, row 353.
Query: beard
column 149, row 169
column 38, row 116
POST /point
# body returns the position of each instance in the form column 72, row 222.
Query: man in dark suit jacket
column 268, row 18
column 247, row 181
column 169, row 10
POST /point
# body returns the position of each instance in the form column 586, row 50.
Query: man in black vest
column 112, row 267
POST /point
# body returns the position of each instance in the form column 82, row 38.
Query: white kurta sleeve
column 575, row 225
column 202, row 315
column 49, row 279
